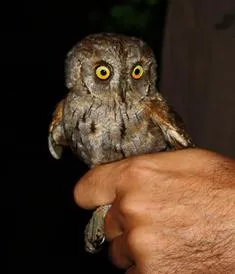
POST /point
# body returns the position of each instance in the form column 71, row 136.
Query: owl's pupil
column 103, row 72
column 137, row 71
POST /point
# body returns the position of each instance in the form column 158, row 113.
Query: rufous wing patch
column 56, row 137
column 172, row 128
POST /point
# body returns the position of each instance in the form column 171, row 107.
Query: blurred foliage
column 143, row 18
column 133, row 14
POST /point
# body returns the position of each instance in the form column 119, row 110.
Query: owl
column 112, row 110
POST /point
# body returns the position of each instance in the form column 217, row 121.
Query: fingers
column 132, row 270
column 112, row 224
column 96, row 187
column 121, row 241
column 103, row 183
column 133, row 251
column 119, row 253
column 126, row 213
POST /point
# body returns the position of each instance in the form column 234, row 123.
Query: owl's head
column 107, row 64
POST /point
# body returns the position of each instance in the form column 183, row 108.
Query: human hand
column 172, row 212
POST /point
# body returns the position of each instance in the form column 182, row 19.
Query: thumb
column 96, row 187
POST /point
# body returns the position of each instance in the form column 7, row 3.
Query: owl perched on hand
column 112, row 109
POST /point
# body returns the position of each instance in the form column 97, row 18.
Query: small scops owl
column 112, row 109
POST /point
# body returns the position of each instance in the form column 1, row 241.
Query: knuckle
column 128, row 207
column 138, row 169
column 133, row 166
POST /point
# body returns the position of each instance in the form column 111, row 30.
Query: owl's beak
column 123, row 91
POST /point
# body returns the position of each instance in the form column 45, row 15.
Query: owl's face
column 110, row 65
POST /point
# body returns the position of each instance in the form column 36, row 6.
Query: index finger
column 97, row 187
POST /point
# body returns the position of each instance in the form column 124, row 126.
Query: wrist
column 221, row 256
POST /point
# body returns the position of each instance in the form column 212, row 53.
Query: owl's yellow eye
column 102, row 72
column 137, row 72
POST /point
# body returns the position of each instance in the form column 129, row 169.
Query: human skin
column 172, row 212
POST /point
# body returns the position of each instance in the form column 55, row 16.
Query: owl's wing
column 56, row 136
column 170, row 123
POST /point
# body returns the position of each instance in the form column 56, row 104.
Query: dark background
column 44, row 227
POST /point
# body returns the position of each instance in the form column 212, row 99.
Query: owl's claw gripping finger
column 94, row 232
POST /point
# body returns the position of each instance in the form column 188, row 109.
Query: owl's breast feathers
column 100, row 133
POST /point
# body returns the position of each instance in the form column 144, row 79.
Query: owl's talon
column 94, row 232
column 94, row 247
column 55, row 150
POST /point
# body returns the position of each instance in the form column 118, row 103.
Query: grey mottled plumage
column 112, row 109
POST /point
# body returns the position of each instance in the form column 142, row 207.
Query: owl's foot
column 94, row 232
